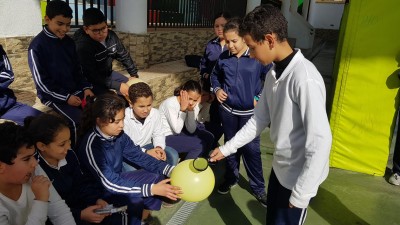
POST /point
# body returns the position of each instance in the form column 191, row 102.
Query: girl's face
column 142, row 107
column 113, row 128
column 219, row 24
column 58, row 148
column 23, row 168
column 194, row 98
column 234, row 42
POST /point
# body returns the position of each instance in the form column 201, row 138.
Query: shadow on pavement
column 329, row 207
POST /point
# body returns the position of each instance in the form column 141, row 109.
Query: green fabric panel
column 366, row 85
column 43, row 5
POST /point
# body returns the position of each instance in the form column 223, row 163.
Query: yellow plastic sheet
column 366, row 86
column 43, row 4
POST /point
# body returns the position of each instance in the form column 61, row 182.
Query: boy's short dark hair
column 264, row 19
column 93, row 16
column 57, row 7
column 12, row 138
column 138, row 90
column 233, row 24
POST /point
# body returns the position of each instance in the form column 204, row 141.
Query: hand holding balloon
column 162, row 188
column 195, row 178
column 216, row 155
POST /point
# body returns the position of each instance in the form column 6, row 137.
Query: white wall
column 251, row 4
column 131, row 16
column 325, row 15
column 20, row 18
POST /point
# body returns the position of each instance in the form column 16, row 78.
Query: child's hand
column 191, row 107
column 157, row 153
column 124, row 88
column 89, row 215
column 221, row 95
column 101, row 202
column 40, row 188
column 87, row 92
column 184, row 100
column 162, row 188
column 216, row 155
column 74, row 100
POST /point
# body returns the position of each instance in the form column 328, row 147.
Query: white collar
column 61, row 163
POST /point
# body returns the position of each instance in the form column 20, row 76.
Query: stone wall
column 167, row 46
column 164, row 46
column 147, row 50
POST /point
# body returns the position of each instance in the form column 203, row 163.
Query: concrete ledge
column 163, row 79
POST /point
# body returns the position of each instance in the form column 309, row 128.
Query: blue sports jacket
column 102, row 157
column 241, row 78
column 210, row 56
column 67, row 180
column 7, row 97
column 55, row 68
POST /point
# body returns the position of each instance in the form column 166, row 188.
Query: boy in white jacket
column 293, row 104
column 26, row 198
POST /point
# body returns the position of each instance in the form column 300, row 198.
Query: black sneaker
column 225, row 188
column 262, row 198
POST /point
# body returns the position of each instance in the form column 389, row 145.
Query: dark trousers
column 197, row 144
column 18, row 112
column 278, row 211
column 72, row 115
column 214, row 125
column 396, row 154
column 115, row 76
column 136, row 205
column 250, row 153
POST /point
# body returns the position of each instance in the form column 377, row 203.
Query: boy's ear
column 46, row 19
column 270, row 40
column 86, row 29
column 2, row 167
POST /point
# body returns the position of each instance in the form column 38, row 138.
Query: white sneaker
column 395, row 179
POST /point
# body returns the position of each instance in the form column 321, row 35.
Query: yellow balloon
column 196, row 179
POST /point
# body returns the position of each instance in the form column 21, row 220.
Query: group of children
column 89, row 120
column 97, row 151
column 235, row 81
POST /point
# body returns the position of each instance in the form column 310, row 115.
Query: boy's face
column 234, row 42
column 59, row 25
column 114, row 128
column 97, row 32
column 23, row 168
column 259, row 50
column 142, row 107
column 58, row 148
